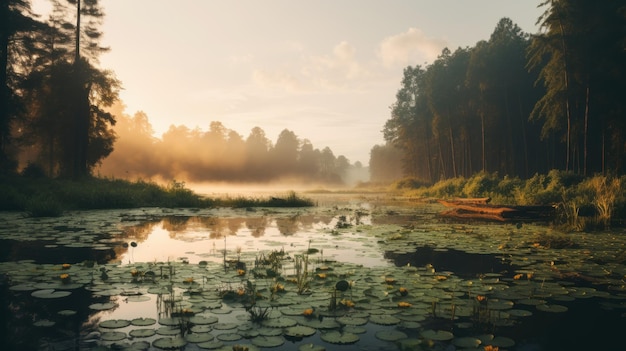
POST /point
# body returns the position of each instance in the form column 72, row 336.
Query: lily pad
column 279, row 323
column 114, row 323
column 268, row 341
column 390, row 335
column 437, row 335
column 229, row 337
column 347, row 320
column 199, row 337
column 102, row 306
column 50, row 294
column 299, row 331
column 142, row 333
column 384, row 319
column 467, row 342
column 202, row 320
column 142, row 322
column 113, row 336
column 552, row 308
column 169, row 343
column 336, row 337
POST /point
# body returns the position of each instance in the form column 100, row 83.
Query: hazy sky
column 328, row 70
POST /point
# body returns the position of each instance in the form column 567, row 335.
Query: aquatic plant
column 301, row 265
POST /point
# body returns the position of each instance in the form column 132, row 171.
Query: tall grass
column 584, row 203
column 51, row 197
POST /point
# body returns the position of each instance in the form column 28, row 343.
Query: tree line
column 55, row 112
column 52, row 94
column 516, row 104
column 218, row 154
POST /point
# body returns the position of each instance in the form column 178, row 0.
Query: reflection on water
column 195, row 239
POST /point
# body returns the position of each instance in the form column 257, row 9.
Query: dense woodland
column 58, row 115
column 517, row 104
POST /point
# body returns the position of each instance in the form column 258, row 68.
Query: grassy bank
column 582, row 202
column 51, row 197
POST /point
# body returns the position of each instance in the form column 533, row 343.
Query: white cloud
column 410, row 47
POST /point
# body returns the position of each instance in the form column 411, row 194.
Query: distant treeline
column 56, row 119
column 218, row 154
column 516, row 104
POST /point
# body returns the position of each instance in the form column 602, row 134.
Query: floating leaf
column 437, row 335
column 50, row 294
column 268, row 341
column 169, row 343
column 115, row 323
column 390, row 335
column 142, row 322
column 299, row 331
column 142, row 333
column 552, row 308
column 199, row 337
column 113, row 336
column 102, row 306
column 336, row 337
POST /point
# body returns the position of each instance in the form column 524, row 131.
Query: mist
column 220, row 155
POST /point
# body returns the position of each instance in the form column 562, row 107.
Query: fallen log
column 499, row 212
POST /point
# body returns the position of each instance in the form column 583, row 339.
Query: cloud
column 410, row 47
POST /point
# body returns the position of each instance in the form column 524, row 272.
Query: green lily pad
column 211, row 345
column 279, row 322
column 199, row 337
column 202, row 320
column 114, row 323
column 347, row 320
column 113, row 336
column 501, row 341
column 384, row 319
column 67, row 312
column 268, row 341
column 229, row 337
column 142, row 322
column 169, row 343
column 437, row 335
column 299, row 331
column 336, row 337
column 224, row 326
column 467, row 342
column 142, row 333
column 44, row 323
column 102, row 306
column 552, row 308
column 390, row 335
column 50, row 294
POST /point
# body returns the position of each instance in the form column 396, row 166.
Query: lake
column 356, row 272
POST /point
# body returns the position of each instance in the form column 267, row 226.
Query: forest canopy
column 517, row 104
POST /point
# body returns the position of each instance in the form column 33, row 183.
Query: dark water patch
column 42, row 251
column 461, row 263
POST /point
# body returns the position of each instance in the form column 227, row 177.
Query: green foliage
column 291, row 199
column 409, row 183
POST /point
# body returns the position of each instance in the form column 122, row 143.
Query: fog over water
column 221, row 155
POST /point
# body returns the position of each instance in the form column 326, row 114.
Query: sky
column 327, row 70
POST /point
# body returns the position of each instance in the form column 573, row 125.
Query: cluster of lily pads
column 206, row 304
column 311, row 303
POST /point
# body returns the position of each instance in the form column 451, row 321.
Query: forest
column 219, row 154
column 60, row 116
column 517, row 104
